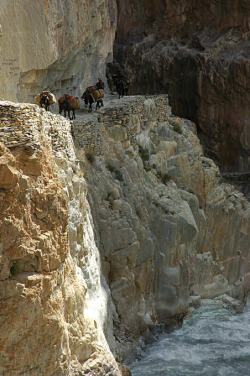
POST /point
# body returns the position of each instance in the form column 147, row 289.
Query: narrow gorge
column 118, row 225
column 199, row 53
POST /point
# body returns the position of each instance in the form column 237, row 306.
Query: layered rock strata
column 199, row 54
column 58, row 45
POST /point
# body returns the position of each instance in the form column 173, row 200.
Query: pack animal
column 93, row 95
column 45, row 99
column 68, row 103
column 122, row 87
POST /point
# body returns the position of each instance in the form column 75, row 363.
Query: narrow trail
column 110, row 102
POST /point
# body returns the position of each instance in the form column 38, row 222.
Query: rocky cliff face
column 199, row 54
column 59, row 45
column 89, row 268
column 50, row 278
column 172, row 18
column 161, row 215
column 201, row 58
column 127, row 224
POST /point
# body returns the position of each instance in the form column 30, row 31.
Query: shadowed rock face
column 173, row 18
column 198, row 53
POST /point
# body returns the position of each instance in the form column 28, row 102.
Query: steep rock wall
column 173, row 18
column 199, row 54
column 201, row 58
column 89, row 268
column 50, row 280
column 162, row 217
column 59, row 45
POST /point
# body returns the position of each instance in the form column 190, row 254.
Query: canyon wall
column 173, row 18
column 162, row 216
column 106, row 235
column 200, row 54
column 117, row 222
column 197, row 52
column 53, row 299
column 58, row 45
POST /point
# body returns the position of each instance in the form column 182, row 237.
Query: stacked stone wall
column 90, row 133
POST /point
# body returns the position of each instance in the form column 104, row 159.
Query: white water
column 213, row 342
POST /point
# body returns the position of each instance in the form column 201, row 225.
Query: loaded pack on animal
column 45, row 99
column 68, row 103
column 93, row 95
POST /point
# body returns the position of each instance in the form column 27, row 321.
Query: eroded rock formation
column 89, row 268
column 59, row 45
column 161, row 216
column 127, row 224
column 52, row 300
column 199, row 54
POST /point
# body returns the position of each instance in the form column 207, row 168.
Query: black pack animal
column 122, row 87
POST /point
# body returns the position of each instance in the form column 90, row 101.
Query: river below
column 212, row 342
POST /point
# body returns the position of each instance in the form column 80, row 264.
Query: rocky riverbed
column 213, row 342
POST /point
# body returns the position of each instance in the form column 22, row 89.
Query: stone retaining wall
column 89, row 131
column 27, row 125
